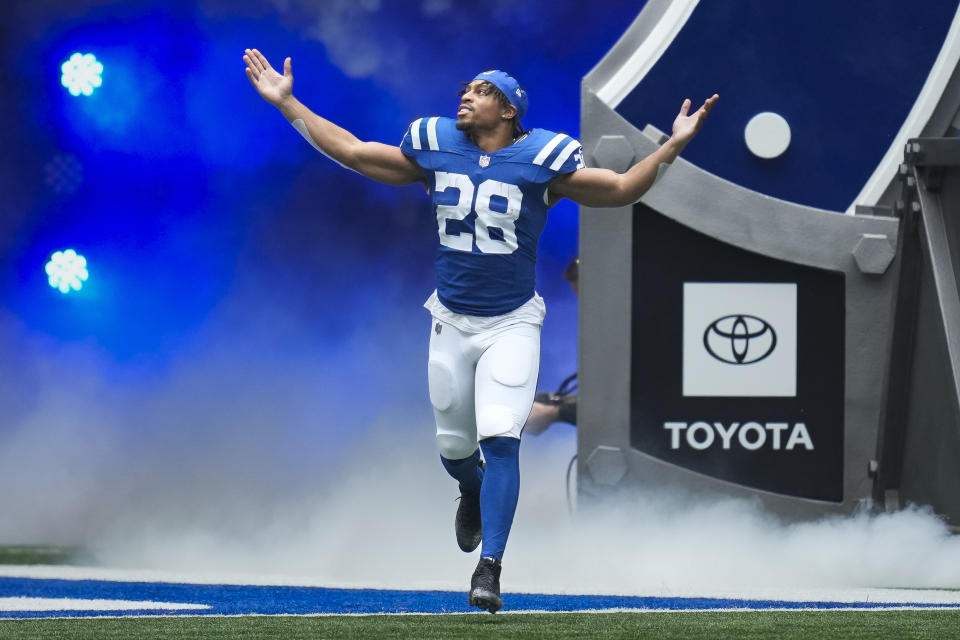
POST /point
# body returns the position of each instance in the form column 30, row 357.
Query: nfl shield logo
column 484, row 161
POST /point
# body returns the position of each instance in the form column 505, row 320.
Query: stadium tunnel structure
column 778, row 318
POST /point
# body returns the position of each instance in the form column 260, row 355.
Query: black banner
column 737, row 362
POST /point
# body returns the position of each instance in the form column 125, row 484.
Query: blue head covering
column 510, row 88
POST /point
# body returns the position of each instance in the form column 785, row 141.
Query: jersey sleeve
column 560, row 155
column 421, row 141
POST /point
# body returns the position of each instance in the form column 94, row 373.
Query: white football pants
column 481, row 384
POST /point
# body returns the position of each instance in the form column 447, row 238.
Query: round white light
column 66, row 271
column 767, row 135
column 81, row 74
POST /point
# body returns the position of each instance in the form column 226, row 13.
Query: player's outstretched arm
column 605, row 188
column 381, row 162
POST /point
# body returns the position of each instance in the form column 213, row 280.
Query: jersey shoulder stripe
column 432, row 134
column 555, row 152
column 415, row 134
column 424, row 129
column 428, row 135
column 548, row 148
column 571, row 146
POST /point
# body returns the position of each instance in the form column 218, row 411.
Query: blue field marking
column 226, row 599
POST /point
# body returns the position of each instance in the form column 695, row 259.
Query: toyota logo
column 739, row 339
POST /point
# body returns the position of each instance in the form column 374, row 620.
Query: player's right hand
column 686, row 126
column 273, row 87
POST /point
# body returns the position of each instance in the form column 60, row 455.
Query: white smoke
column 344, row 27
column 243, row 461
column 386, row 521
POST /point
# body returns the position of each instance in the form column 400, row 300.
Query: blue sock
column 466, row 471
column 498, row 496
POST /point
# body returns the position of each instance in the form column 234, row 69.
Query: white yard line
column 79, row 604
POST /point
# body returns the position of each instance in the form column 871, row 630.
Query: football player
column 490, row 185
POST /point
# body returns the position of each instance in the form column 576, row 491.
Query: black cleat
column 468, row 524
column 485, row 585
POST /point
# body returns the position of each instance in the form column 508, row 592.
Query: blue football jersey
column 491, row 209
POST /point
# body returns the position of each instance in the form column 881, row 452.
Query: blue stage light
column 81, row 74
column 66, row 271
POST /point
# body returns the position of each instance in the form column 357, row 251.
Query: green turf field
column 808, row 625
column 804, row 625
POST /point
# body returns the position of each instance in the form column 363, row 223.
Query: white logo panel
column 739, row 339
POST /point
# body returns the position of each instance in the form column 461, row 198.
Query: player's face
column 479, row 107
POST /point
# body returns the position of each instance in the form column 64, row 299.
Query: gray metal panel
column 921, row 430
column 938, row 239
column 603, row 370
column 745, row 219
column 931, row 444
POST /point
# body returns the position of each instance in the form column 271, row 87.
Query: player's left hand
column 686, row 126
column 269, row 83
